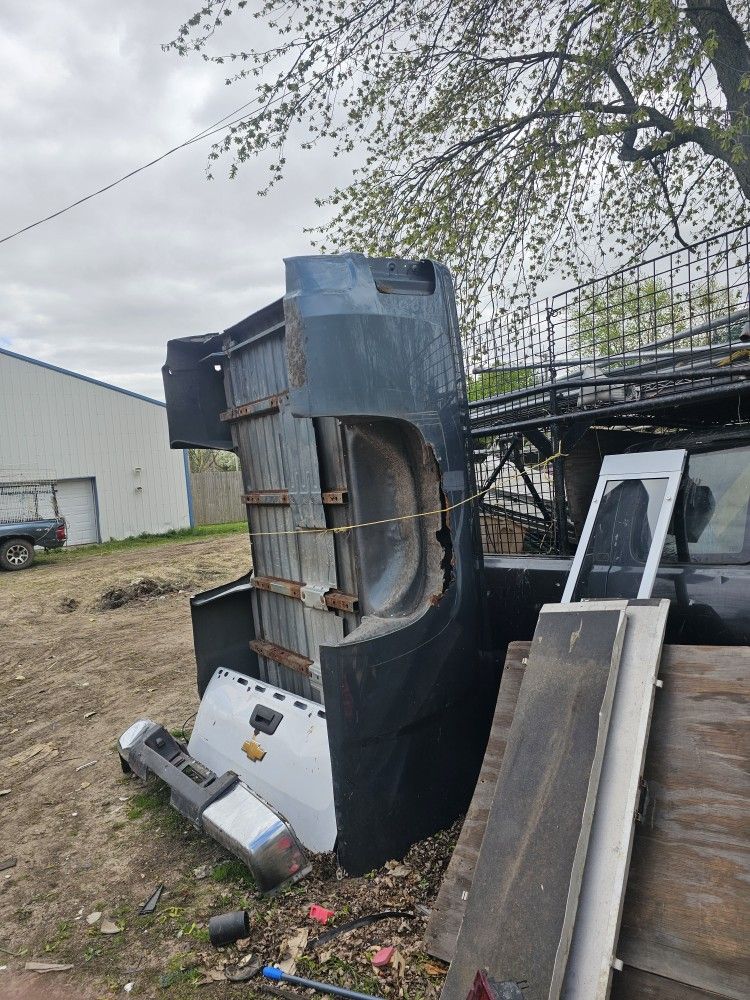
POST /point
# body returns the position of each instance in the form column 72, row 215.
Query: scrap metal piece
column 597, row 927
column 252, row 831
column 220, row 805
column 314, row 595
column 267, row 498
column 152, row 902
column 287, row 657
column 255, row 408
column 295, row 774
column 334, row 600
column 334, row 497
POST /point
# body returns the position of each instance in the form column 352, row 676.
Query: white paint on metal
column 294, row 777
column 314, row 595
column 56, row 425
column 592, row 955
column 76, row 503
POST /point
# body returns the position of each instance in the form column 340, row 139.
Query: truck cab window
column 712, row 517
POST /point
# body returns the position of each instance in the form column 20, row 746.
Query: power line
column 218, row 126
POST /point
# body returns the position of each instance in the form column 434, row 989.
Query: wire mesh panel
column 27, row 501
column 662, row 344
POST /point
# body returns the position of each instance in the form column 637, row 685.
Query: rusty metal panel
column 279, row 460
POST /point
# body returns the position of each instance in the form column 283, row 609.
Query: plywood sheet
column 687, row 909
column 520, row 911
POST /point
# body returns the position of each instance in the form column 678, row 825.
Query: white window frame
column 667, row 465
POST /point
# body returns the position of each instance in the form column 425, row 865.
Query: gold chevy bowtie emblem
column 254, row 750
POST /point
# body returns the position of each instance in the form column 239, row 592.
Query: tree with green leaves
column 510, row 140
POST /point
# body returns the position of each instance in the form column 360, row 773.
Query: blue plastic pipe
column 338, row 991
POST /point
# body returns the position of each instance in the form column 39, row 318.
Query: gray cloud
column 87, row 94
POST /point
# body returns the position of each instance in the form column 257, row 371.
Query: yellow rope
column 401, row 517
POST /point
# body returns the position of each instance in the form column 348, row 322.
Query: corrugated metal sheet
column 279, row 451
column 55, row 424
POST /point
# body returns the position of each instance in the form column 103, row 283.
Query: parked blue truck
column 29, row 519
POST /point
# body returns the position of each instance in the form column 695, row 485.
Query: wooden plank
column 597, row 924
column 634, row 984
column 521, row 908
column 687, row 908
column 687, row 911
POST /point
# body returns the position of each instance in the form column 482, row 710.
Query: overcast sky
column 86, row 95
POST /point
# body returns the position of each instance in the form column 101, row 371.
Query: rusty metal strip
column 336, row 600
column 255, row 408
column 335, row 497
column 286, row 657
column 267, row 498
column 281, row 497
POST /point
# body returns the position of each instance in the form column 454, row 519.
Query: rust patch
column 335, row 497
column 255, row 408
column 336, row 600
column 286, row 657
column 267, row 498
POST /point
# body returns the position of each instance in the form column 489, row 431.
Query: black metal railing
column 664, row 344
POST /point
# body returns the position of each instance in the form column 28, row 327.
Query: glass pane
column 712, row 522
column 621, row 538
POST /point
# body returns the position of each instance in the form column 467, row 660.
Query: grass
column 139, row 541
column 155, row 800
column 233, row 871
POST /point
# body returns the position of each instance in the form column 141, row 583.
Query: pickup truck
column 18, row 540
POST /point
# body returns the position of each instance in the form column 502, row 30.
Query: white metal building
column 107, row 448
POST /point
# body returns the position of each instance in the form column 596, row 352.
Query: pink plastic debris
column 383, row 957
column 320, row 913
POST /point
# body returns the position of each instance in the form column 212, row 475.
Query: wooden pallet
column 686, row 922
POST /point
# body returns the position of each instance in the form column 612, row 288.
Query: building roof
column 83, row 378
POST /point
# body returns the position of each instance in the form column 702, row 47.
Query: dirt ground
column 88, row 839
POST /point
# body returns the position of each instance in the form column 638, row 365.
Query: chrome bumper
column 220, row 805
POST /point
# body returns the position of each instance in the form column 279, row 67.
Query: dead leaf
column 92, row 918
column 109, row 927
column 212, row 976
column 47, row 967
column 434, row 970
column 291, row 949
column 399, row 963
column 400, row 871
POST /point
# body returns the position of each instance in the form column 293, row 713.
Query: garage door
column 75, row 498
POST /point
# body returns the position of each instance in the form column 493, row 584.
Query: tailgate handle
column 265, row 719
